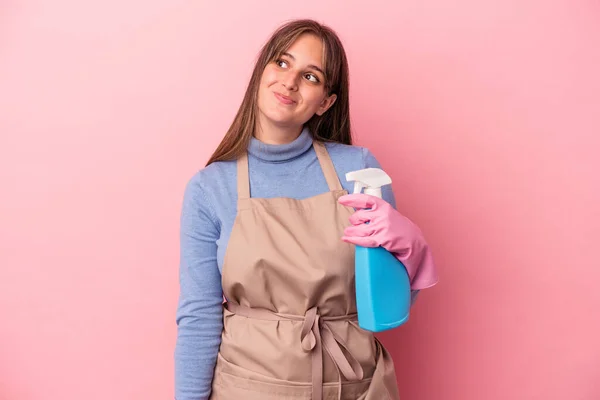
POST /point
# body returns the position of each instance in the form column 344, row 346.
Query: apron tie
column 316, row 335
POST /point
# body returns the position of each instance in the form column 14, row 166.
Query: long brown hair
column 332, row 126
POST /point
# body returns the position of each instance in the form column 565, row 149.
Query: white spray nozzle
column 371, row 179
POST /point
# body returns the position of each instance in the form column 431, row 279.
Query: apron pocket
column 235, row 383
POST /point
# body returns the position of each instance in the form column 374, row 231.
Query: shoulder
column 351, row 157
column 347, row 158
column 212, row 177
column 211, row 186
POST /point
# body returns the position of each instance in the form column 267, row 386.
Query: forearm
column 199, row 327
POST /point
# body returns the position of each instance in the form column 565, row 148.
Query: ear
column 326, row 104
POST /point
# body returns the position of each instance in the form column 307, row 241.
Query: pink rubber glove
column 397, row 234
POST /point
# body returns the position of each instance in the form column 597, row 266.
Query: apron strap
column 327, row 166
column 243, row 178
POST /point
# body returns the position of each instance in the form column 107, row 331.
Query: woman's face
column 292, row 88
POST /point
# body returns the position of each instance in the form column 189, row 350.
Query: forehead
column 307, row 49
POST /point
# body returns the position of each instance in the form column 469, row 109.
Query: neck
column 274, row 134
column 277, row 153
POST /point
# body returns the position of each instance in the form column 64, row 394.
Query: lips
column 284, row 99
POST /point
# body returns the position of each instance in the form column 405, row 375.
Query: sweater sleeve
column 387, row 194
column 199, row 314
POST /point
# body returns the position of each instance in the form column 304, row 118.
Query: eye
column 281, row 63
column 311, row 77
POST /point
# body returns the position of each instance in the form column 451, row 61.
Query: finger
column 359, row 200
column 360, row 241
column 359, row 230
column 360, row 217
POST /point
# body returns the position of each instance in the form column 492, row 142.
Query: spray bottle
column 383, row 295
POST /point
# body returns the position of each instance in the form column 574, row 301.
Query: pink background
column 485, row 113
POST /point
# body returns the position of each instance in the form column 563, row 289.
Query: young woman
column 269, row 226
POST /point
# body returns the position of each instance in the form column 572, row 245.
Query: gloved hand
column 397, row 234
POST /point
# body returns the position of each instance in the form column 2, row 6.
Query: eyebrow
column 310, row 66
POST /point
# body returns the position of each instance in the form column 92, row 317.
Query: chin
column 279, row 118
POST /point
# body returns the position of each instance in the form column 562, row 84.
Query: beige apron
column 290, row 328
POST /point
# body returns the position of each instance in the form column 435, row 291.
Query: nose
column 290, row 80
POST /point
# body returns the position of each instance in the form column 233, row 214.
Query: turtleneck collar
column 281, row 152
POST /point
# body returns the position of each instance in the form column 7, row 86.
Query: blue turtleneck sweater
column 209, row 209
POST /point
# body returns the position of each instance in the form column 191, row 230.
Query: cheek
column 266, row 80
column 313, row 97
column 269, row 77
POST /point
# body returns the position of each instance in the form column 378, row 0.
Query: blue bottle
column 383, row 295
